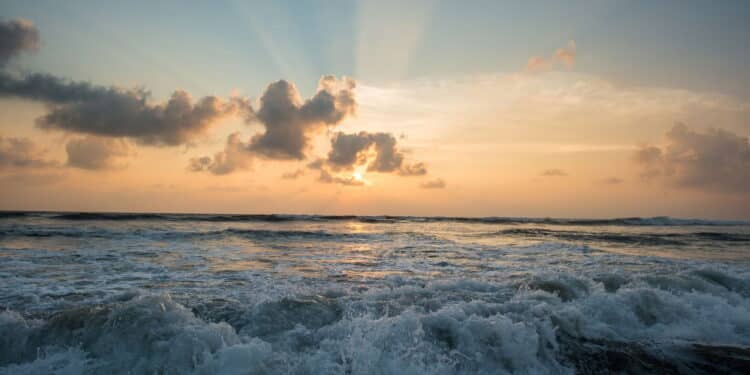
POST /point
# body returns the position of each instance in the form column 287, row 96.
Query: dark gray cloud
column 22, row 153
column 129, row 114
column 235, row 156
column 553, row 173
column 389, row 158
column 17, row 36
column 715, row 160
column 95, row 153
column 378, row 150
column 348, row 150
column 289, row 122
column 83, row 108
column 437, row 183
column 50, row 89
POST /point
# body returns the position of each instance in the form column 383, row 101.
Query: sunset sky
column 482, row 108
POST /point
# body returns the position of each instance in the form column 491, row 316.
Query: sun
column 358, row 176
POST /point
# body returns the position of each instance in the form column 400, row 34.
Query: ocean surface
column 89, row 293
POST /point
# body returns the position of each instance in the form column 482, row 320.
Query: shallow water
column 203, row 294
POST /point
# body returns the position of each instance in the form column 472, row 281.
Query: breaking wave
column 278, row 294
column 696, row 321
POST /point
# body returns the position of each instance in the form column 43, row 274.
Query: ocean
column 96, row 293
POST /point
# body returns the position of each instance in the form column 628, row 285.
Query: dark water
column 244, row 294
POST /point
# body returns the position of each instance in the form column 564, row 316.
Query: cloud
column 83, row 108
column 378, row 151
column 293, row 175
column 22, row 153
column 289, row 122
column 437, row 183
column 416, row 169
column 17, row 36
column 235, row 156
column 563, row 56
column 316, row 164
column 95, row 153
column 50, row 89
column 553, row 173
column 327, row 177
column 716, row 160
column 27, row 180
column 567, row 55
column 348, row 150
column 611, row 181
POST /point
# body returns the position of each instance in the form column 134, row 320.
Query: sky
column 486, row 108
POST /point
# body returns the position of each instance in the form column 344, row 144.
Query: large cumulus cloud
column 83, row 108
column 289, row 122
column 715, row 160
column 375, row 152
column 378, row 150
column 17, row 36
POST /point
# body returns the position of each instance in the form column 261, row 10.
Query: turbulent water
column 179, row 294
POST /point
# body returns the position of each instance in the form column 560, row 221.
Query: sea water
column 88, row 293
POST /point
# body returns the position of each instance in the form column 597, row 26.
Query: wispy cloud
column 563, row 56
column 437, row 183
column 17, row 153
column 553, row 173
column 611, row 181
column 293, row 175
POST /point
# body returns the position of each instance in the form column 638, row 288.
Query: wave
column 554, row 323
column 631, row 221
column 259, row 234
column 654, row 239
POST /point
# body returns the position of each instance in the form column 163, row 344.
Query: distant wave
column 258, row 234
column 630, row 221
column 648, row 239
column 654, row 239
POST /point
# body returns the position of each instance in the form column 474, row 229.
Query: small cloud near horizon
column 554, row 172
column 611, row 181
column 437, row 183
column 293, row 175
